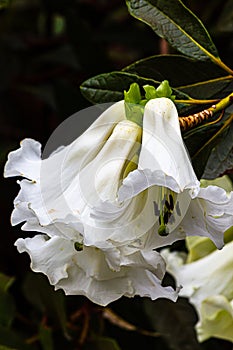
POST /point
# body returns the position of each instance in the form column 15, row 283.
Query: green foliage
column 109, row 87
column 174, row 22
column 201, row 76
column 196, row 78
column 201, row 140
column 221, row 157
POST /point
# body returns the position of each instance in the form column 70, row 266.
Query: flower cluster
column 104, row 203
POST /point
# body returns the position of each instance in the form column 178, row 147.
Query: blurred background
column 47, row 49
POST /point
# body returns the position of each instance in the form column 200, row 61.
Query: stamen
column 167, row 205
column 171, row 202
column 166, row 210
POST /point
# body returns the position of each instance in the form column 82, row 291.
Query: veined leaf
column 201, row 140
column 173, row 21
column 221, row 157
column 207, row 89
column 109, row 87
column 199, row 79
column 177, row 69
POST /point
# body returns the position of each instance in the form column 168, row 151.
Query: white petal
column 87, row 273
column 50, row 256
column 209, row 215
column 139, row 180
column 216, row 319
column 25, row 161
column 211, row 275
column 162, row 145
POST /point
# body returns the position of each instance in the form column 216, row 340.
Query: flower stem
column 188, row 122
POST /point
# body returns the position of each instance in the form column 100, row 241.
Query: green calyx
column 135, row 102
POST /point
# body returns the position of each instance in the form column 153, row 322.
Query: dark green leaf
column 221, row 157
column 42, row 296
column 102, row 343
column 3, row 347
column 178, row 70
column 109, row 87
column 207, row 89
column 174, row 321
column 201, row 140
column 177, row 24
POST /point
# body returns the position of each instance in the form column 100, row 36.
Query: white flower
column 87, row 195
column 208, row 283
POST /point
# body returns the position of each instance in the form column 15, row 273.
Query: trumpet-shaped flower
column 107, row 200
column 208, row 283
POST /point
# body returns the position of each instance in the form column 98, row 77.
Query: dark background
column 47, row 49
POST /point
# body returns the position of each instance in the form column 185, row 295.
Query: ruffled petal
column 49, row 256
column 25, row 161
column 87, row 272
column 209, row 215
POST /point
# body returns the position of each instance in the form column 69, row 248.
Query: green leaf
column 3, row 347
column 177, row 69
column 207, row 89
column 221, row 157
column 201, row 140
column 199, row 79
column 173, row 21
column 109, row 87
